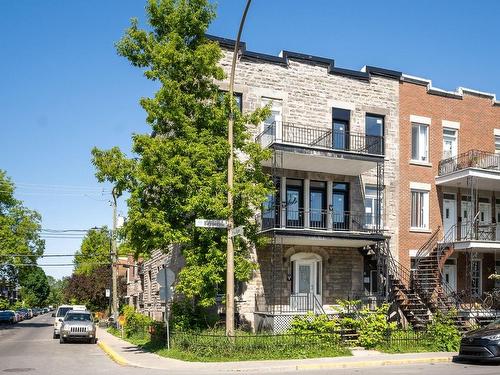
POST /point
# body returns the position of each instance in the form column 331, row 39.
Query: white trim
column 420, row 186
column 413, row 253
column 420, row 119
column 450, row 124
column 305, row 256
column 496, row 132
column 421, row 163
column 341, row 104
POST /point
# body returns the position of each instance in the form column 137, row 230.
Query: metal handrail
column 470, row 159
column 320, row 137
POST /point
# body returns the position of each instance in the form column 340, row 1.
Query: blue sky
column 63, row 88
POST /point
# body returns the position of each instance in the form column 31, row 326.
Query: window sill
column 421, row 163
column 420, row 230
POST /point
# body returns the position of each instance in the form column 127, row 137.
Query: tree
column 34, row 286
column 56, row 296
column 95, row 251
column 180, row 169
column 20, row 227
column 89, row 289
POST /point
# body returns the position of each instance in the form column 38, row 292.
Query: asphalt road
column 28, row 348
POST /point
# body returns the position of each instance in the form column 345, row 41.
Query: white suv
column 59, row 316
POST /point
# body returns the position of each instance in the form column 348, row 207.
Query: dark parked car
column 482, row 344
column 8, row 317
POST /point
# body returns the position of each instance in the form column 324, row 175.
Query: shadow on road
column 25, row 324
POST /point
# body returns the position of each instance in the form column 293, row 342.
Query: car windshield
column 63, row 310
column 80, row 317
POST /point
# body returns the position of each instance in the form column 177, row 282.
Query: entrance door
column 467, row 217
column 484, row 230
column 449, row 215
column 340, row 204
column 317, row 205
column 306, row 284
column 450, row 276
column 374, row 133
column 340, row 129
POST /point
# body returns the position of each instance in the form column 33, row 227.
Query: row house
column 385, row 187
column 450, row 191
column 334, row 136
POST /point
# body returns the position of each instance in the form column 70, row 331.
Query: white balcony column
column 329, row 192
column 307, row 201
column 282, row 203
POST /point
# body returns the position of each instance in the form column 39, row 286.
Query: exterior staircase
column 421, row 293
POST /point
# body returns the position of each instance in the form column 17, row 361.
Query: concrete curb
column 372, row 363
column 112, row 354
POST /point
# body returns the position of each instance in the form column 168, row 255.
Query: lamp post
column 230, row 221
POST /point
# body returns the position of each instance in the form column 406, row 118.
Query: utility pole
column 114, row 265
column 230, row 221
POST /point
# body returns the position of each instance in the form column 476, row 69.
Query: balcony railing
column 285, row 132
column 470, row 159
column 469, row 231
column 328, row 220
column 293, row 303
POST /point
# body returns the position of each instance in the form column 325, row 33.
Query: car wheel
column 61, row 340
column 55, row 336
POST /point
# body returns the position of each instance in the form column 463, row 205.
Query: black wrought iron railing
column 470, row 159
column 285, row 217
column 289, row 133
column 292, row 303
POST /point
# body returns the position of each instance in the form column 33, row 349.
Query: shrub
column 444, row 333
column 310, row 323
column 135, row 323
column 373, row 326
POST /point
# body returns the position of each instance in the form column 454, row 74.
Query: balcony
column 330, row 228
column 307, row 146
column 469, row 234
column 483, row 165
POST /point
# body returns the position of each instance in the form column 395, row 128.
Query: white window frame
column 423, row 217
column 454, row 150
column 423, row 144
column 497, row 143
column 373, row 202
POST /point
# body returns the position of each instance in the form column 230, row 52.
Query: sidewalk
column 127, row 354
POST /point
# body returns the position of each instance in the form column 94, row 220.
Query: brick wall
column 477, row 117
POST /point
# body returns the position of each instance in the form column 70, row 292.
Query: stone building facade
column 304, row 93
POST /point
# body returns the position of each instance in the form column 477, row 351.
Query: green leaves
column 180, row 169
column 95, row 251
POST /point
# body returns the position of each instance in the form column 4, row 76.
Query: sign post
column 166, row 278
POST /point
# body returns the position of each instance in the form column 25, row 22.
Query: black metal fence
column 292, row 303
column 470, row 159
column 404, row 340
column 286, row 132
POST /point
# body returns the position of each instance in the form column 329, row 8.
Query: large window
column 374, row 133
column 372, row 206
column 419, row 209
column 497, row 144
column 294, row 203
column 340, row 135
column 419, row 142
column 450, row 144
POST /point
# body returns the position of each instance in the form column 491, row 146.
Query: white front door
column 305, row 278
column 484, row 221
column 450, row 276
column 467, row 218
column 449, row 216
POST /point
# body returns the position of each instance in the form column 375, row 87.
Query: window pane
column 414, row 142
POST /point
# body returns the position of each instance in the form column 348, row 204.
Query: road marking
column 112, row 354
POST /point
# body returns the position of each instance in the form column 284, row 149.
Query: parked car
column 8, row 316
column 23, row 315
column 59, row 316
column 482, row 344
column 26, row 313
column 78, row 325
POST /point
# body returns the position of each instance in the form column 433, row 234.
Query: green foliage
column 310, row 324
column 95, row 251
column 19, row 233
column 56, row 296
column 135, row 324
column 373, row 326
column 444, row 333
column 4, row 304
column 34, row 286
column 186, row 316
column 89, row 289
column 179, row 171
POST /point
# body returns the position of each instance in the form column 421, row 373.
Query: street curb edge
column 112, row 354
column 383, row 362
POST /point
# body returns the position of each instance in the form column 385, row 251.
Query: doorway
column 449, row 215
column 450, row 274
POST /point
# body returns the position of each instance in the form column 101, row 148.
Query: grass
column 216, row 348
column 408, row 342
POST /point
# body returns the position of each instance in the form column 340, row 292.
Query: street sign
column 165, row 276
column 168, row 292
column 238, row 231
column 108, row 293
column 208, row 223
